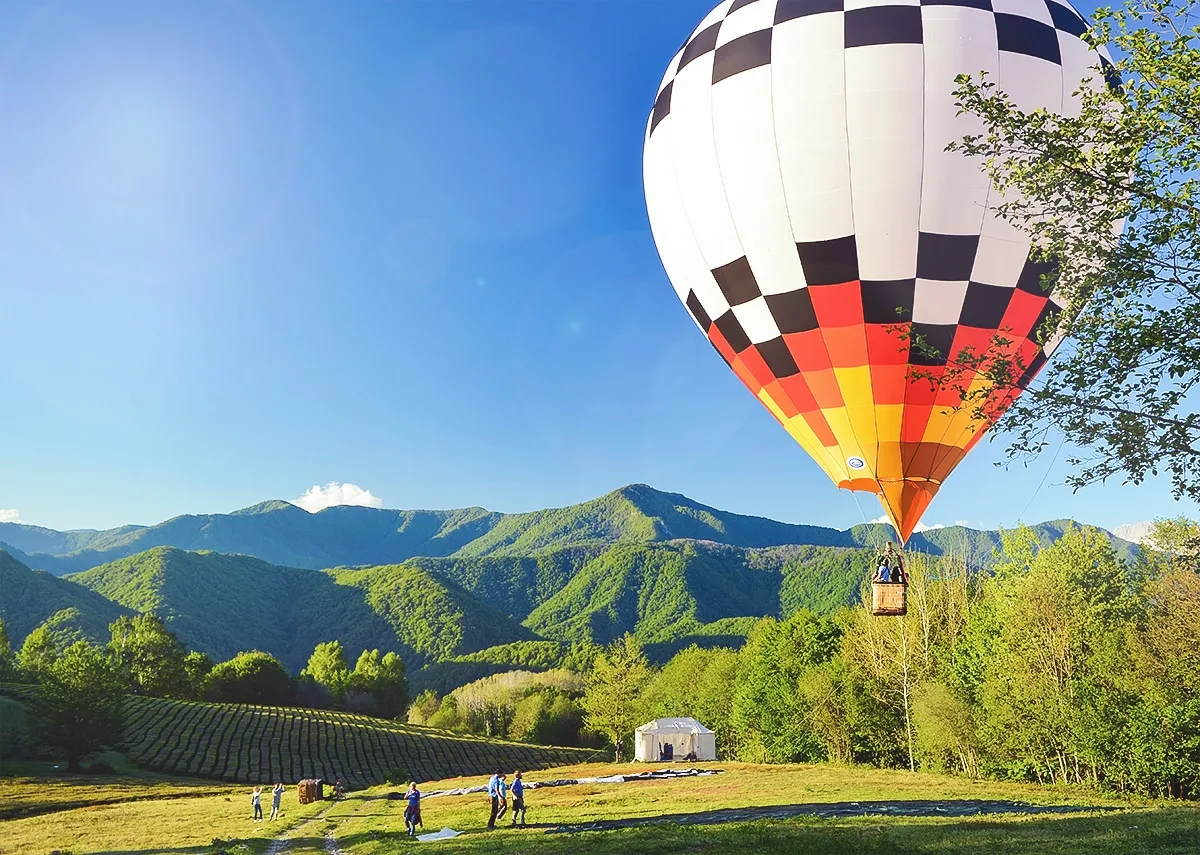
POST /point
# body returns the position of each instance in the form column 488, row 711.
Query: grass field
column 173, row 820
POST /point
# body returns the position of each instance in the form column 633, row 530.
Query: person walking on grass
column 493, row 789
column 276, row 797
column 502, row 789
column 518, row 793
column 256, row 800
column 412, row 813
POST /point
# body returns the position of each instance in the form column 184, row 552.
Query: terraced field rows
column 258, row 745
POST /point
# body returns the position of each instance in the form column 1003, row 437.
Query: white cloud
column 11, row 515
column 318, row 498
column 921, row 526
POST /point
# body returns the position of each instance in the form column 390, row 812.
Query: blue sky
column 250, row 248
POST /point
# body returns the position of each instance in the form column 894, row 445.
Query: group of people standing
column 498, row 789
column 276, row 798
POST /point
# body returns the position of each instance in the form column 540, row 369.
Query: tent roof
column 673, row 725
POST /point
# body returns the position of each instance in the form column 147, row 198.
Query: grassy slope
column 365, row 824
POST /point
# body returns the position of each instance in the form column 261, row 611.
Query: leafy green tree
column 423, row 707
column 944, row 730
column 149, row 656
column 7, row 659
column 612, row 702
column 79, row 707
column 771, row 724
column 383, row 679
column 251, row 677
column 327, row 667
column 38, row 652
column 1048, row 694
column 699, row 683
column 448, row 715
column 1121, row 386
column 196, row 668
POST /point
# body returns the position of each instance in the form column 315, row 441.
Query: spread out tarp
column 674, row 739
column 658, row 775
column 444, row 834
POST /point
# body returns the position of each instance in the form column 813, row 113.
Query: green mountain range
column 282, row 533
column 458, row 594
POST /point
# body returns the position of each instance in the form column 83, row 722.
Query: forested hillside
column 29, row 597
column 458, row 594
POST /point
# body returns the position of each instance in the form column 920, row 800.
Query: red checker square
column 837, row 305
column 820, row 427
column 978, row 342
column 888, row 383
column 782, row 399
column 950, row 393
column 797, row 391
column 916, row 418
column 742, row 370
column 847, row 346
column 824, row 388
column 758, row 366
column 923, row 381
column 723, row 347
column 808, row 350
column 1023, row 311
column 885, row 345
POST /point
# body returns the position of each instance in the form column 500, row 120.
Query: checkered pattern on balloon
column 812, row 222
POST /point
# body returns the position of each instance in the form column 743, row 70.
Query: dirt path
column 282, row 845
column 964, row 807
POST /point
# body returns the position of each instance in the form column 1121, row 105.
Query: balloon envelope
column 810, row 219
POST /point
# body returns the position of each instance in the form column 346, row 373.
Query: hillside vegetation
column 29, row 597
column 222, row 604
column 255, row 744
column 459, row 616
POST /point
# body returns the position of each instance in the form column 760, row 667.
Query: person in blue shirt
column 502, row 790
column 518, row 791
column 493, row 789
column 412, row 813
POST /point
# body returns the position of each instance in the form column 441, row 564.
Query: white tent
column 684, row 736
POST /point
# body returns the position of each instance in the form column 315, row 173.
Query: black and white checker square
column 771, row 166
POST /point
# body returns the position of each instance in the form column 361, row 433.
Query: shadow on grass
column 1167, row 831
column 1154, row 831
column 829, row 810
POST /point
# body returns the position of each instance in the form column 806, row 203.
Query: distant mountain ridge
column 281, row 533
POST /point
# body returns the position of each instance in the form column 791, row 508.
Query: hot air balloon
column 810, row 219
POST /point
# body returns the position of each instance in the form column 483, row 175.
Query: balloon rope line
column 1045, row 475
column 854, row 494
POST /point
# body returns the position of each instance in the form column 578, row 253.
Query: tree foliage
column 78, row 708
column 252, row 677
column 7, row 659
column 613, row 703
column 1121, row 387
column 149, row 657
column 38, row 652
